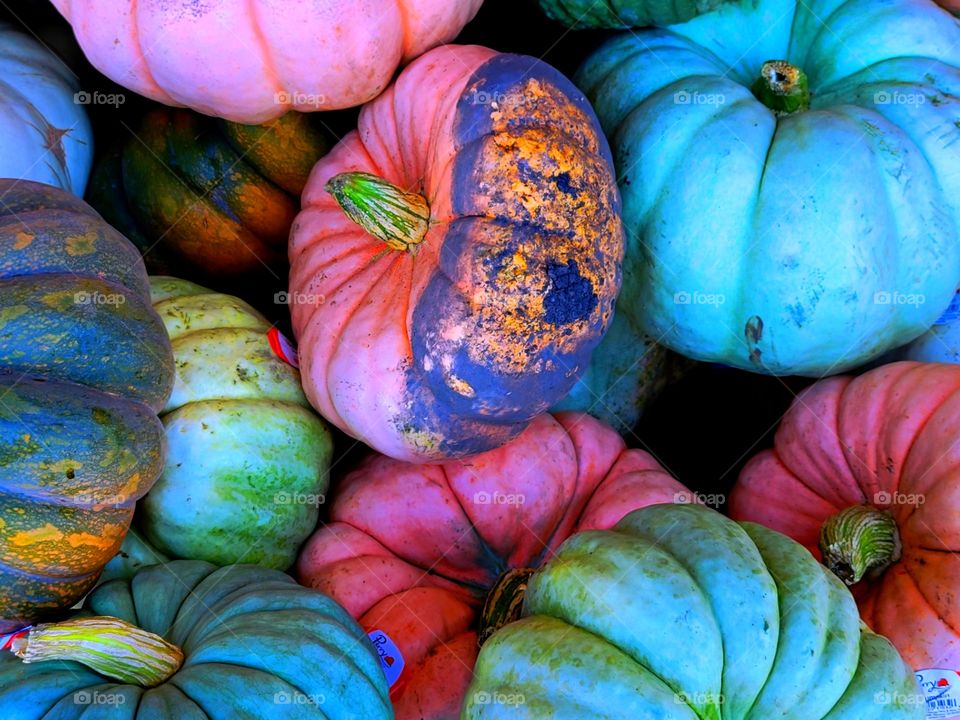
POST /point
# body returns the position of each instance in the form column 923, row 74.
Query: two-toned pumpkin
column 427, row 557
column 247, row 459
column 85, row 364
column 457, row 257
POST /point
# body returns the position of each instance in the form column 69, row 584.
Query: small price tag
column 942, row 690
column 952, row 313
column 6, row 641
column 283, row 348
column 390, row 658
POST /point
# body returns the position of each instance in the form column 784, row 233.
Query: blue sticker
column 390, row 658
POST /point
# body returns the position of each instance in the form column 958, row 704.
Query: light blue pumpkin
column 941, row 343
column 803, row 242
column 45, row 135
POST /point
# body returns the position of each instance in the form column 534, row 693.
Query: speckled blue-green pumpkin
column 679, row 613
column 804, row 242
column 247, row 465
column 628, row 13
column 84, row 364
column 256, row 646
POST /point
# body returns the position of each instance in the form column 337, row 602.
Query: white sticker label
column 952, row 313
column 6, row 641
column 390, row 658
column 283, row 348
column 942, row 690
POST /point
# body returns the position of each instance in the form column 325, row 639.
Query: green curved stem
column 782, row 87
column 858, row 541
column 389, row 213
column 108, row 645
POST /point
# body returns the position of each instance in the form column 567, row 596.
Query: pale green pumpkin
column 247, row 459
column 788, row 233
column 679, row 613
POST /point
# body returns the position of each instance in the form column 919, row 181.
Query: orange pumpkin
column 457, row 257
column 866, row 473
column 252, row 61
column 412, row 551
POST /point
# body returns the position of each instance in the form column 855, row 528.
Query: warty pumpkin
column 251, row 62
column 457, row 257
column 423, row 555
column 84, row 365
column 864, row 473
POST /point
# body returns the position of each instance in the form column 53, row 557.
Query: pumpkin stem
column 107, row 645
column 504, row 602
column 859, row 540
column 389, row 213
column 782, row 87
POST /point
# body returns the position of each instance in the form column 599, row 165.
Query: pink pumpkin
column 414, row 550
column 252, row 61
column 866, row 473
column 457, row 257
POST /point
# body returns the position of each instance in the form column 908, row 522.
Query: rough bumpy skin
column 85, row 364
column 255, row 645
column 806, row 243
column 628, row 13
column 888, row 439
column 252, row 61
column 678, row 613
column 413, row 549
column 451, row 350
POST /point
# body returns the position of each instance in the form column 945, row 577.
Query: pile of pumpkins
column 485, row 282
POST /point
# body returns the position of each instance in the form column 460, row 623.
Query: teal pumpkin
column 795, row 217
column 679, row 613
column 254, row 645
column 85, row 364
column 45, row 135
column 627, row 13
column 247, row 459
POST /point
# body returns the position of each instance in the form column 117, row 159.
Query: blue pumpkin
column 45, row 135
column 789, row 174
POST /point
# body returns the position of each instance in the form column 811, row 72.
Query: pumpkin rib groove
column 188, row 670
column 266, row 52
column 909, row 571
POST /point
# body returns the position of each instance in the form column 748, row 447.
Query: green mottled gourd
column 248, row 460
column 679, row 613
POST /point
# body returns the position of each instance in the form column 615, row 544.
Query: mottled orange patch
column 85, row 244
column 22, row 240
column 81, row 539
column 45, row 534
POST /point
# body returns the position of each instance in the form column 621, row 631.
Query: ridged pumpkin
column 802, row 214
column 84, row 366
column 412, row 551
column 234, row 642
column 679, row 613
column 45, row 135
column 206, row 197
column 882, row 447
column 247, row 459
column 628, row 13
column 251, row 62
column 457, row 257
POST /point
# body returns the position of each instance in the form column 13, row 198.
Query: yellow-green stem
column 858, row 541
column 110, row 646
column 782, row 87
column 389, row 213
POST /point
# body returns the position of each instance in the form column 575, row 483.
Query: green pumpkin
column 248, row 460
column 253, row 644
column 679, row 613
column 795, row 217
column 207, row 196
column 85, row 363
